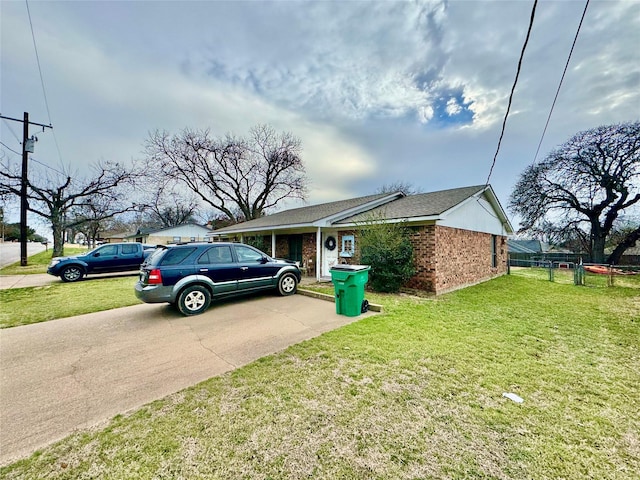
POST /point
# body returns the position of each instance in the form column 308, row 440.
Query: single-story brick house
column 459, row 235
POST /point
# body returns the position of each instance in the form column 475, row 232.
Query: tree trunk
column 628, row 242
column 58, row 240
column 597, row 251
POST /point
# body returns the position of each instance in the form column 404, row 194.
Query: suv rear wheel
column 288, row 284
column 193, row 300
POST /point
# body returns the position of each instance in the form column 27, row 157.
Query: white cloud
column 364, row 84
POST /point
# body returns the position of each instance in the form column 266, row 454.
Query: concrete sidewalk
column 43, row 279
column 76, row 372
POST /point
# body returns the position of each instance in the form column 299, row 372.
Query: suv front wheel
column 288, row 284
column 194, row 300
column 72, row 273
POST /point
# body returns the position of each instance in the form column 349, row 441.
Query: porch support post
column 318, row 253
column 273, row 244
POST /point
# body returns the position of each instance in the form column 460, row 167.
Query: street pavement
column 10, row 251
column 78, row 372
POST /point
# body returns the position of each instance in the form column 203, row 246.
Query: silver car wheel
column 194, row 300
column 72, row 274
column 288, row 284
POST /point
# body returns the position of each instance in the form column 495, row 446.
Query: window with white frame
column 348, row 246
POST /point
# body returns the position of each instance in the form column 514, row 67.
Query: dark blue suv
column 190, row 275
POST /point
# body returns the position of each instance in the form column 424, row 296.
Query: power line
column 11, row 130
column 9, row 148
column 515, row 81
column 32, row 159
column 44, row 91
column 46, row 166
column 575, row 39
column 35, row 47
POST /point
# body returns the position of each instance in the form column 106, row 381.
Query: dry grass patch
column 414, row 393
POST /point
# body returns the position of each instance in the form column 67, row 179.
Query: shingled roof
column 394, row 206
column 305, row 215
column 419, row 205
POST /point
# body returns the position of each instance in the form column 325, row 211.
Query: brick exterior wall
column 423, row 240
column 308, row 251
column 445, row 258
column 449, row 258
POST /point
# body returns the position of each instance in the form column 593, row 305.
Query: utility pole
column 24, row 204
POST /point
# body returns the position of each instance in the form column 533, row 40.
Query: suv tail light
column 155, row 277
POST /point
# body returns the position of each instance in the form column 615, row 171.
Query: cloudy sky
column 378, row 92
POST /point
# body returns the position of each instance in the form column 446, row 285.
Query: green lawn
column 412, row 393
column 39, row 262
column 22, row 306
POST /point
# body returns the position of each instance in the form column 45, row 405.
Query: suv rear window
column 176, row 255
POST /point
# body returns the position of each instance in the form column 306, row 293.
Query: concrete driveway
column 77, row 372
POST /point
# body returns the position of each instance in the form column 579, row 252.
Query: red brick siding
column 309, row 253
column 450, row 258
column 282, row 246
column 424, row 255
column 308, row 250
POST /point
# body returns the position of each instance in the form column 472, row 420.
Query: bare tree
column 584, row 186
column 239, row 177
column 57, row 198
column 88, row 218
column 398, row 186
column 164, row 202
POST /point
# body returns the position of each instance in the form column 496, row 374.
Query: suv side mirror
column 97, row 254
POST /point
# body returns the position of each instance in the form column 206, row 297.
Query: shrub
column 388, row 249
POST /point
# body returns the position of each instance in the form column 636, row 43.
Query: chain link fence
column 572, row 272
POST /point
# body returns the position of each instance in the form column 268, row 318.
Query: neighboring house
column 459, row 235
column 188, row 232
column 631, row 256
column 527, row 246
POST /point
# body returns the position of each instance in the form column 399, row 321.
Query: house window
column 347, row 246
column 494, row 251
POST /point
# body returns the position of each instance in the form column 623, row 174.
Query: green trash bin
column 349, row 282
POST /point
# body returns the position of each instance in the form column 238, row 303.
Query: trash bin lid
column 350, row 268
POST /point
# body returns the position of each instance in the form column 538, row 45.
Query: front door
column 295, row 248
column 329, row 252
